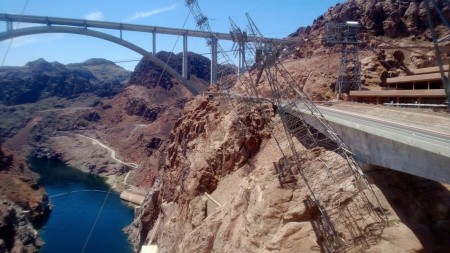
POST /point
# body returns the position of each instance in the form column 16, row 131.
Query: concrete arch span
column 83, row 31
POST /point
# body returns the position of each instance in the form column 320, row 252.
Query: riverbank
column 84, row 207
column 89, row 153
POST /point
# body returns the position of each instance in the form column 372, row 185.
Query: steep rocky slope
column 216, row 189
column 21, row 201
column 151, row 75
column 228, row 152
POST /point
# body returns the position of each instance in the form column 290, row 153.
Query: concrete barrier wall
column 391, row 153
column 134, row 198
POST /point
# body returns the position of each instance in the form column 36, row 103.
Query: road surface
column 439, row 141
column 112, row 151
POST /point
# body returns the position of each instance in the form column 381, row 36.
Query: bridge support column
column 9, row 26
column 239, row 59
column 185, row 57
column 213, row 61
column 154, row 43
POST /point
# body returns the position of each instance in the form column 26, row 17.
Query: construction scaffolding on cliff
column 353, row 211
column 346, row 35
column 349, row 214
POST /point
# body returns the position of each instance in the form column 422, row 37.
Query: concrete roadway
column 393, row 144
column 438, row 142
column 413, row 149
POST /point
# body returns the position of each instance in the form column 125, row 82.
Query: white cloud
column 35, row 39
column 140, row 14
column 95, row 15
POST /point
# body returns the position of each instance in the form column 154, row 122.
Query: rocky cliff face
column 21, row 201
column 218, row 191
column 387, row 18
column 395, row 39
column 40, row 79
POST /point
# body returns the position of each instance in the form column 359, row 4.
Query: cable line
column 67, row 193
column 96, row 220
column 11, row 40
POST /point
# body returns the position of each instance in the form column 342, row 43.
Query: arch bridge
column 82, row 27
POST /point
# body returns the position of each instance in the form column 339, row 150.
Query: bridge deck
column 406, row 141
column 129, row 27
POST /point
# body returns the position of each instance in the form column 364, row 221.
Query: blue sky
column 275, row 18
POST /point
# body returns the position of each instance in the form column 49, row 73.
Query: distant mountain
column 41, row 79
column 149, row 75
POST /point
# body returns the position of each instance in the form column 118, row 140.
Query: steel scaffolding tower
column 344, row 204
column 356, row 211
column 345, row 34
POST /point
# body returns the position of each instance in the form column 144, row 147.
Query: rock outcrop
column 386, row 18
column 387, row 28
column 22, row 200
column 149, row 74
column 218, row 191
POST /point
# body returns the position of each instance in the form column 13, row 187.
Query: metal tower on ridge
column 346, row 34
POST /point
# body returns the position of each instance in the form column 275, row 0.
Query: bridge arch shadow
column 104, row 36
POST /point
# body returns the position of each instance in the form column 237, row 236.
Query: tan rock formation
column 252, row 210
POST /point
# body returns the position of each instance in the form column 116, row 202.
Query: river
column 77, row 198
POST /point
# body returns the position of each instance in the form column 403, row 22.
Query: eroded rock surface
column 218, row 194
column 22, row 200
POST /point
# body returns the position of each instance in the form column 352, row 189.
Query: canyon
column 207, row 164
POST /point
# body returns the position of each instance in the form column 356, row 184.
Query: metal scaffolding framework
column 218, row 53
column 345, row 34
column 346, row 204
column 348, row 213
